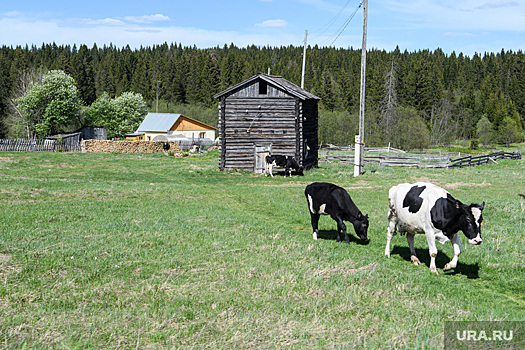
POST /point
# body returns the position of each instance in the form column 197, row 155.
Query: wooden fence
column 332, row 153
column 37, row 145
column 478, row 160
column 414, row 161
column 392, row 157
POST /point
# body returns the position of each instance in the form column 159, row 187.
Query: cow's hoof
column 415, row 260
column 434, row 270
column 315, row 236
column 448, row 267
column 387, row 255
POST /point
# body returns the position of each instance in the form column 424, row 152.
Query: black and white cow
column 329, row 199
column 287, row 162
column 426, row 208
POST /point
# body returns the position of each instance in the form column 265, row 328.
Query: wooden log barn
column 266, row 114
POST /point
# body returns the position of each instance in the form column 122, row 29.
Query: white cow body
column 423, row 208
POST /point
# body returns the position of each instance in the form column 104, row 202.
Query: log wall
column 251, row 121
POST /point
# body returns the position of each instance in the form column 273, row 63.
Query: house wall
column 135, row 138
column 310, row 134
column 194, row 134
column 249, row 121
column 149, row 136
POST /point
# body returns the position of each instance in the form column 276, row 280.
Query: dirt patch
column 58, row 166
column 4, row 258
column 465, row 184
column 422, row 179
column 345, row 268
column 286, row 184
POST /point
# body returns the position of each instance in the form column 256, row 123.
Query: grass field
column 148, row 251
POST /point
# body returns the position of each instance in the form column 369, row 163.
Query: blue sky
column 466, row 26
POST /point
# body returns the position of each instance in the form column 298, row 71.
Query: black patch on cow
column 446, row 216
column 412, row 199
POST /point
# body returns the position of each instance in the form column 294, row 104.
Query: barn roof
column 163, row 122
column 277, row 81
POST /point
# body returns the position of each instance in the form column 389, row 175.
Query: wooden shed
column 266, row 114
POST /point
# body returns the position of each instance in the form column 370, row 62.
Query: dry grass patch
column 465, row 184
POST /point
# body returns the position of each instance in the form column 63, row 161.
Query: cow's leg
column 315, row 220
column 457, row 250
column 413, row 256
column 389, row 234
column 341, row 227
column 432, row 250
column 271, row 169
column 392, row 226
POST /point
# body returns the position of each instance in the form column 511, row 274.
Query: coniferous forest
column 413, row 99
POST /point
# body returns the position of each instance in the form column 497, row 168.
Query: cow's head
column 470, row 221
column 361, row 226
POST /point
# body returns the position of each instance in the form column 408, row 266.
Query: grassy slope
column 101, row 250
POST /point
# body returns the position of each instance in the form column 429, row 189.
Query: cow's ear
column 457, row 204
column 482, row 205
column 359, row 215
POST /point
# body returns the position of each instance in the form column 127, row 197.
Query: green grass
column 148, row 251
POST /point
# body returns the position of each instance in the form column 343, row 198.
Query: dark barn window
column 263, row 87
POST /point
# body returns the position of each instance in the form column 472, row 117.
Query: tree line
column 413, row 99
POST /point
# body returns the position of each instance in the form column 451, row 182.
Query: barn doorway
column 260, row 153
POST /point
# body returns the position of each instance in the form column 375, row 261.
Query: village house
column 171, row 126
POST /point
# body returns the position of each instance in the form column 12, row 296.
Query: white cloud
column 68, row 32
column 276, row 23
column 146, row 18
column 105, row 21
column 498, row 4
column 11, row 13
column 455, row 34
column 453, row 15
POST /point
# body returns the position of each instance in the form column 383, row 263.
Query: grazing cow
column 429, row 209
column 329, row 199
column 287, row 162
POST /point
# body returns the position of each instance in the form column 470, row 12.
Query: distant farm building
column 264, row 114
column 93, row 133
column 168, row 126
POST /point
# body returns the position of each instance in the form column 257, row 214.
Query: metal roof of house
column 161, row 122
column 275, row 80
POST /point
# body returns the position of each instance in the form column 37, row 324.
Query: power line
column 323, row 29
column 347, row 23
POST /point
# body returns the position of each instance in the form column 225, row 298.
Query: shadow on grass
column 471, row 271
column 332, row 235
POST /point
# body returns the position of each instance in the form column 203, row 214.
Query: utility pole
column 304, row 59
column 157, row 108
column 359, row 139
